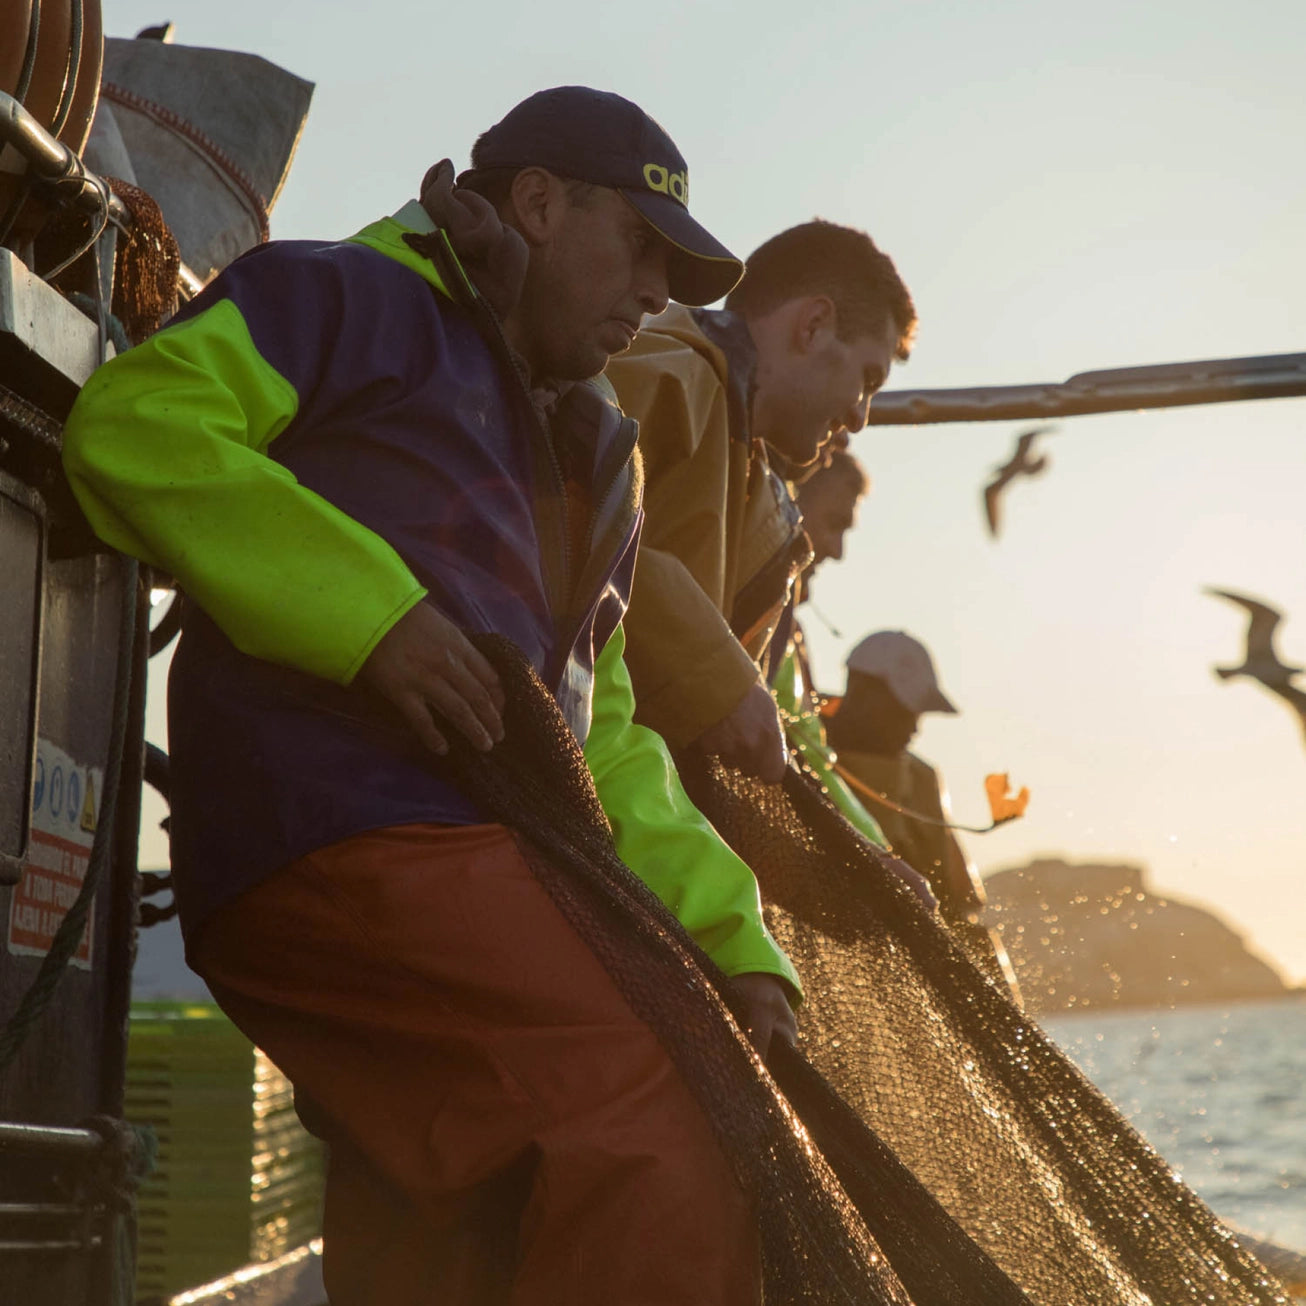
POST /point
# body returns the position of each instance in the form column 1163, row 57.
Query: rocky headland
column 1090, row 935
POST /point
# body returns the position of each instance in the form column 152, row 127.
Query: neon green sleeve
column 665, row 840
column 164, row 449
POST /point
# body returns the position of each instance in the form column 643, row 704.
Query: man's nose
column 855, row 418
column 654, row 299
column 652, row 289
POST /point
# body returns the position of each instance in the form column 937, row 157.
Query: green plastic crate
column 238, row 1178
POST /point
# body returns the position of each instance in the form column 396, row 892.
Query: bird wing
column 1263, row 621
column 1019, row 464
column 1007, row 472
column 1295, row 699
column 1023, row 442
column 993, row 506
column 1027, row 438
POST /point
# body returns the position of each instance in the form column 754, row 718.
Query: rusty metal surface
column 1166, row 385
column 28, row 420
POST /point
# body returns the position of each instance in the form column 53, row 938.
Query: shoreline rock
column 1090, row 935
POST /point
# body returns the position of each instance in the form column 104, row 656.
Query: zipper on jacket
column 583, row 610
column 483, row 308
column 574, row 612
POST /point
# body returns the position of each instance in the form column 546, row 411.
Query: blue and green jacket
column 329, row 435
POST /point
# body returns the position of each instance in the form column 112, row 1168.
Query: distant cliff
column 1094, row 936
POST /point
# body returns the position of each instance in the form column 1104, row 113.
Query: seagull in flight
column 1261, row 662
column 1021, row 463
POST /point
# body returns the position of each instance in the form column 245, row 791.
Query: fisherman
column 891, row 685
column 351, row 456
column 828, row 498
column 803, row 342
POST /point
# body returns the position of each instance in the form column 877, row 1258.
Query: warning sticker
column 65, row 799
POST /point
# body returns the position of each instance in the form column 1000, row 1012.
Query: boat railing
column 1121, row 389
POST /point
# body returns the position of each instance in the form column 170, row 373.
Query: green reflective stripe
column 386, row 236
column 806, row 735
column 663, row 837
column 164, row 450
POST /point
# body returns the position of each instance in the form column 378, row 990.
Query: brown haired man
column 805, row 340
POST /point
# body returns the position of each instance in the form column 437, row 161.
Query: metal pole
column 1166, row 385
column 53, row 163
column 49, row 1138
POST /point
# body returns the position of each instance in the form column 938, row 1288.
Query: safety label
column 65, row 800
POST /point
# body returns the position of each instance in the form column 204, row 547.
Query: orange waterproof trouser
column 419, row 986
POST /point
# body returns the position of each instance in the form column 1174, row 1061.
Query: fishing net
column 841, row 1219
column 149, row 265
column 1036, row 1166
column 927, row 1144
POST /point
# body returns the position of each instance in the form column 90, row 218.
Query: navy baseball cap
column 601, row 138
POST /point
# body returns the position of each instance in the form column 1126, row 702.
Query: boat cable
column 101, row 220
column 71, row 72
column 885, row 801
column 29, row 55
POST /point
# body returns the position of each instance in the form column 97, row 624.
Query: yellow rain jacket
column 722, row 538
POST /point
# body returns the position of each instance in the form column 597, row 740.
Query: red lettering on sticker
column 52, row 879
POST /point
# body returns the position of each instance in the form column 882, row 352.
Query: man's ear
column 537, row 199
column 814, row 322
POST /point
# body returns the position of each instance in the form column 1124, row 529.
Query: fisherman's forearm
column 165, row 450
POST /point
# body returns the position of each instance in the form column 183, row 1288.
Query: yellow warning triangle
column 88, row 804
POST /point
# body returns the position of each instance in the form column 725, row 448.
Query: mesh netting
column 149, row 265
column 873, row 1234
column 976, row 1102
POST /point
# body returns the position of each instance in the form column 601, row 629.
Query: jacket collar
column 729, row 333
column 386, row 236
column 589, row 408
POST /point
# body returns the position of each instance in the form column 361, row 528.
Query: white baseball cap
column 904, row 664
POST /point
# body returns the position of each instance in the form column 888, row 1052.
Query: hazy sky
column 1064, row 187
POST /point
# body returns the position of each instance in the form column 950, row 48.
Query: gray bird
column 1261, row 662
column 1021, row 463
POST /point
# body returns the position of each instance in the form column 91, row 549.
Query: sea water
column 1220, row 1092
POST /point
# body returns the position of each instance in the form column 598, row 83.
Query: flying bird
column 1261, row 662
column 1022, row 463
